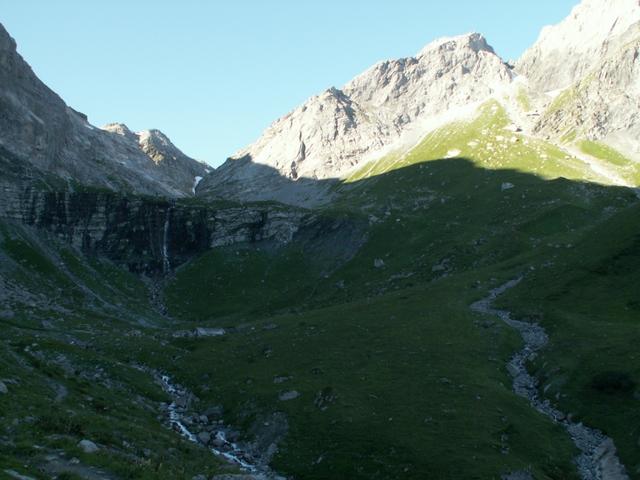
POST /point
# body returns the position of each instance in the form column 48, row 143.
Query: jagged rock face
column 151, row 234
column 446, row 74
column 564, row 53
column 593, row 56
column 168, row 161
column 139, row 231
column 386, row 107
column 38, row 128
column 604, row 104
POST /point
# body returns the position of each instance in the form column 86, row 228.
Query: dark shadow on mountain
column 242, row 179
column 153, row 234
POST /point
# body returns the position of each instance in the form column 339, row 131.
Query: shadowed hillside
column 371, row 337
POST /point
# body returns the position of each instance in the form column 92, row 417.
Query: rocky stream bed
column 598, row 459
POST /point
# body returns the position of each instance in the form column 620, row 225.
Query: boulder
column 87, row 446
column 290, row 395
column 218, row 442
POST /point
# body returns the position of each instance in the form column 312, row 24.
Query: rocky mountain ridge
column 590, row 60
column 564, row 53
column 385, row 108
column 155, row 236
column 39, row 129
column 385, row 111
column 578, row 82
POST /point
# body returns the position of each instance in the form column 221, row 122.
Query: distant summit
column 388, row 106
column 579, row 82
column 565, row 52
column 52, row 139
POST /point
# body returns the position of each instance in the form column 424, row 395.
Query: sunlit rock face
column 388, row 106
column 564, row 53
column 591, row 62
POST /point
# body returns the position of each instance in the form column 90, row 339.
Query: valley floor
column 376, row 367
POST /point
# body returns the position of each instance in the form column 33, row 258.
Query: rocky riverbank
column 598, row 459
column 208, row 429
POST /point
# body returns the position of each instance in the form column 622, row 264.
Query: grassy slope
column 382, row 340
column 400, row 375
column 486, row 142
column 66, row 356
column 628, row 169
column 413, row 383
column 588, row 300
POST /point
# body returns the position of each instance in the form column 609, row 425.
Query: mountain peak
column 474, row 41
column 153, row 135
column 564, row 52
column 384, row 108
column 119, row 129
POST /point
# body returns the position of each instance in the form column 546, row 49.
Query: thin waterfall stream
column 166, row 263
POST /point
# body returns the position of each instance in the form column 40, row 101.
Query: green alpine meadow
column 432, row 272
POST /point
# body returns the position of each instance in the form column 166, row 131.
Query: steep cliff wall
column 154, row 235
column 145, row 233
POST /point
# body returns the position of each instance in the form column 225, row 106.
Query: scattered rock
column 17, row 476
column 209, row 332
column 236, row 477
column 3, row 389
column 453, row 153
column 204, row 437
column 441, row 267
column 513, row 128
column 87, row 446
column 218, row 442
column 507, row 186
column 282, row 379
column 324, row 398
column 291, row 395
column 200, row 332
column 521, row 475
column 214, row 412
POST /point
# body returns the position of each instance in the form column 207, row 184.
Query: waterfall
column 166, row 264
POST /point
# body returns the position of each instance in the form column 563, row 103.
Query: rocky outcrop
column 155, row 235
column 589, row 64
column 604, row 104
column 564, row 53
column 38, row 129
column 389, row 106
column 147, row 234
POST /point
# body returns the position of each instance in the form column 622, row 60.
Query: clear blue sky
column 214, row 74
